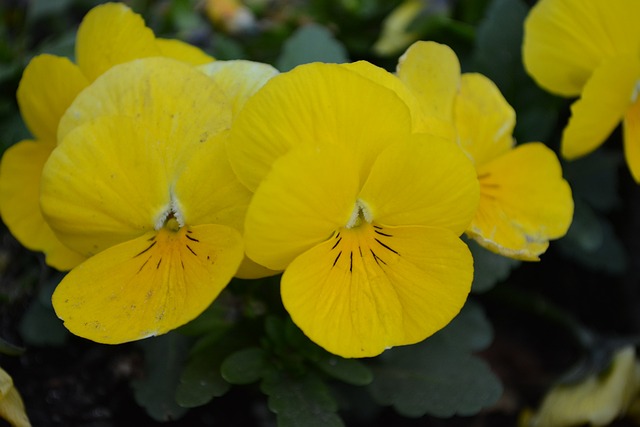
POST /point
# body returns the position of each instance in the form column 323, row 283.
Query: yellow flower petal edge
column 631, row 137
column 374, row 287
column 150, row 285
column 566, row 40
column 11, row 406
column 177, row 49
column 524, row 202
column 395, row 35
column 606, row 97
column 20, row 173
column 48, row 86
column 315, row 104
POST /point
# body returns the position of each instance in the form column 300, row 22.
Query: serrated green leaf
column 300, row 401
column 164, row 358
column 201, row 381
column 10, row 349
column 489, row 268
column 311, row 43
column 469, row 330
column 434, row 378
column 350, row 371
column 245, row 366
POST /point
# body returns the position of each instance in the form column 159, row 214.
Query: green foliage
column 40, row 326
column 489, row 268
column 311, row 43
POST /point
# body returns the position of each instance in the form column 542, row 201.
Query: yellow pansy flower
column 109, row 34
column 591, row 49
column 524, row 201
column 11, row 405
column 363, row 216
column 140, row 185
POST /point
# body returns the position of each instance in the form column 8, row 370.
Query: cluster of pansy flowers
column 158, row 174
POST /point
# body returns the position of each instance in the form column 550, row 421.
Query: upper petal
column 177, row 49
column 566, row 40
column 149, row 285
column 424, row 181
column 111, row 34
column 363, row 291
column 606, row 97
column 484, row 120
column 312, row 105
column 48, row 86
column 524, row 203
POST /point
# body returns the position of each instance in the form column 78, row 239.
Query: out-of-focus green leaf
column 311, row 43
column 39, row 9
column 10, row 349
column 594, row 179
column 201, row 380
column 40, row 326
column 164, row 361
column 303, row 401
column 470, row 330
column 245, row 366
column 489, row 268
column 216, row 319
column 350, row 371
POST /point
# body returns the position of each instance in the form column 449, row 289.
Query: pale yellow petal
column 395, row 35
column 12, row 408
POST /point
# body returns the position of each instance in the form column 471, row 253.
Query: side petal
column 432, row 73
column 315, row 104
column 112, row 34
column 149, row 285
column 356, row 298
column 424, row 181
column 48, row 86
column 606, row 97
column 483, row 119
column 20, row 174
column 524, row 203
column 631, row 131
column 566, row 40
column 11, row 404
column 177, row 49
column 307, row 195
column 239, row 79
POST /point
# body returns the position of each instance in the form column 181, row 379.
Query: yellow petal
column 631, row 131
column 106, row 183
column 312, row 105
column 395, row 35
column 182, row 51
column 483, row 118
column 20, row 173
column 307, row 195
column 250, row 269
column 149, row 285
column 432, row 73
column 48, row 86
column 372, row 287
column 239, row 79
column 11, row 406
column 112, row 34
column 424, row 181
column 566, row 40
column 173, row 98
column 606, row 97
column 524, row 202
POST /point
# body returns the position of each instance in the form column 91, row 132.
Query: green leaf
column 300, row 401
column 350, row 371
column 311, row 43
column 40, row 326
column 489, row 268
column 164, row 360
column 245, row 366
column 469, row 330
column 436, row 378
column 594, row 179
column 201, row 380
column 216, row 319
column 10, row 349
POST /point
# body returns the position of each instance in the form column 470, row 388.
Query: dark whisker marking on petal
column 387, row 247
column 152, row 238
column 360, row 250
column 381, row 233
column 378, row 227
column 351, row 262
column 182, row 264
column 150, row 246
column 145, row 263
column 189, row 231
column 484, row 175
column 376, row 258
column 193, row 239
column 334, row 246
column 158, row 265
column 336, row 260
column 191, row 250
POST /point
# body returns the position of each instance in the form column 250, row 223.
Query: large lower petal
column 312, row 105
column 424, row 181
column 105, row 184
column 566, row 40
column 149, row 285
column 20, row 174
column 483, row 119
column 307, row 195
column 373, row 287
column 112, row 34
column 606, row 97
column 524, row 203
column 48, row 86
column 631, row 131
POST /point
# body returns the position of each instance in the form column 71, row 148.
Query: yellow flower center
column 361, row 213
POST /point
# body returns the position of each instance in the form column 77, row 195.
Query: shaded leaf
column 469, row 330
column 489, row 268
column 351, row 371
column 311, row 43
column 39, row 325
column 164, row 360
column 245, row 366
column 594, row 179
column 201, row 380
column 10, row 349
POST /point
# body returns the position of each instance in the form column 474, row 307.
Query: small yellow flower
column 591, row 49
column 140, row 184
column 363, row 216
column 524, row 201
column 109, row 34
column 11, row 405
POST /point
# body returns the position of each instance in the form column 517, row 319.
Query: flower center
column 361, row 213
column 170, row 219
